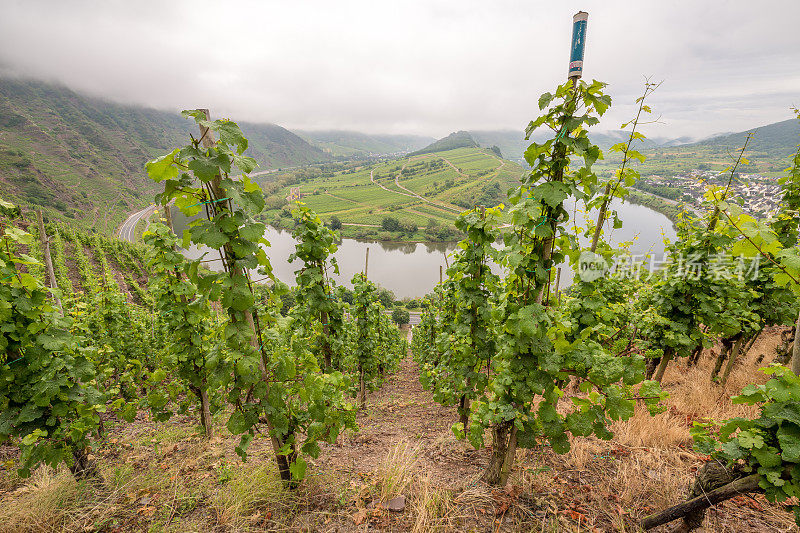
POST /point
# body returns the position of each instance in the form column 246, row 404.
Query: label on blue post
column 579, row 22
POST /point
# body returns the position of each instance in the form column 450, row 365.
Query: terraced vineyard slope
column 86, row 263
column 767, row 153
column 413, row 198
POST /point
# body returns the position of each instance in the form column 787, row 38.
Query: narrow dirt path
column 411, row 194
column 372, row 179
column 434, row 204
column 402, row 409
column 454, row 167
column 415, row 195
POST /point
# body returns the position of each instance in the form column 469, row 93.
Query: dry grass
column 166, row 478
column 603, row 484
column 649, row 464
column 250, row 492
column 431, row 506
column 664, row 430
column 692, row 397
column 186, row 487
column 394, row 475
column 46, row 501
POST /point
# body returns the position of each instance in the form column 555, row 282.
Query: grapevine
column 48, row 400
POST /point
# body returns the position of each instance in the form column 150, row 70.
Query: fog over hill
column 352, row 143
column 513, row 144
column 774, row 141
column 82, row 158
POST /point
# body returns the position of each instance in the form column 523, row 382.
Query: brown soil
column 403, row 410
column 95, row 265
column 117, row 271
column 72, row 267
column 597, row 486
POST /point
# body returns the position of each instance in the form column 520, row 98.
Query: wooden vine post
column 558, row 283
column 231, row 266
column 504, row 436
column 48, row 262
column 796, row 348
column 737, row 348
column 219, row 195
column 577, row 48
column 168, row 216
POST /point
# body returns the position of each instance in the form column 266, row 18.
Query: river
column 412, row 269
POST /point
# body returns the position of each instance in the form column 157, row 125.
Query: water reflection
column 412, row 269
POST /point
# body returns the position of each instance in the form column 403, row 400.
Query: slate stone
column 396, row 504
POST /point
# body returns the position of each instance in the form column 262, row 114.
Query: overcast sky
column 427, row 67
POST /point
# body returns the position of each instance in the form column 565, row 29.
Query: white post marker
column 579, row 22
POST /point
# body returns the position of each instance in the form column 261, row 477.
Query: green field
column 424, row 193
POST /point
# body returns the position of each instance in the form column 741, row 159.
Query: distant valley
column 81, row 159
column 349, row 144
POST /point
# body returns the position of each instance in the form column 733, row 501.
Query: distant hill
column 82, row 159
column 779, row 138
column 768, row 151
column 512, row 143
column 341, row 143
column 607, row 139
column 457, row 139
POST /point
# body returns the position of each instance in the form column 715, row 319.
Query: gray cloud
column 415, row 66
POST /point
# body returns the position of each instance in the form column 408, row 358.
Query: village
column 759, row 194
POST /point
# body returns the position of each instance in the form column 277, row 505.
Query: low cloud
column 414, row 66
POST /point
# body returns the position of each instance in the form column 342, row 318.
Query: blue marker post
column 579, row 22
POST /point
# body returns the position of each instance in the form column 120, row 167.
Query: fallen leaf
column 360, row 516
column 574, row 515
column 147, row 511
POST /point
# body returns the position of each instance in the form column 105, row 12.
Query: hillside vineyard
column 558, row 328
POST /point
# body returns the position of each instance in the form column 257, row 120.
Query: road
column 442, row 206
column 372, row 179
column 410, row 193
column 271, row 171
column 127, row 232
